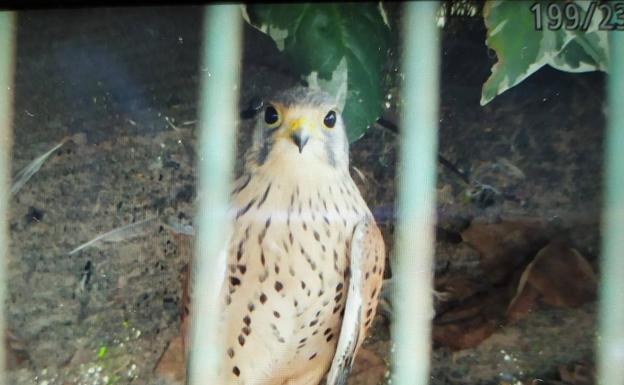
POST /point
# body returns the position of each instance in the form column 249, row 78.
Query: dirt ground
column 122, row 86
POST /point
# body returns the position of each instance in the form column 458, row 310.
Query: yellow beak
column 298, row 132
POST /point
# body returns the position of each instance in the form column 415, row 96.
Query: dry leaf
column 563, row 276
column 464, row 335
column 16, row 353
column 571, row 374
column 558, row 276
column 577, row 374
column 172, row 365
column 455, row 288
column 522, row 305
column 368, row 369
column 468, row 324
column 505, row 246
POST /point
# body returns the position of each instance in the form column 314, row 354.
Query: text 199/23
column 570, row 16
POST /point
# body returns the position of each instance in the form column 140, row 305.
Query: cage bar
column 221, row 54
column 610, row 345
column 413, row 271
column 7, row 57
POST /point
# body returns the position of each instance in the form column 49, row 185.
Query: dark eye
column 271, row 116
column 330, row 119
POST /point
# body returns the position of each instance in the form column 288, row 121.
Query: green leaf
column 317, row 38
column 521, row 49
column 102, row 352
column 337, row 85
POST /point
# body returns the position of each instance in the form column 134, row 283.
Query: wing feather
column 367, row 258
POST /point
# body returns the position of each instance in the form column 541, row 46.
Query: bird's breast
column 288, row 268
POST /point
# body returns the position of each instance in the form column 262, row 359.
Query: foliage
column 522, row 49
column 343, row 48
column 338, row 47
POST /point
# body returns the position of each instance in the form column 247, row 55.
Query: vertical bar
column 7, row 55
column 415, row 239
column 217, row 120
column 610, row 346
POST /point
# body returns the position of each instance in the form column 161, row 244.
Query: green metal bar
column 7, row 55
column 221, row 55
column 610, row 344
column 415, row 237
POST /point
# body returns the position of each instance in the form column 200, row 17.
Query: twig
column 445, row 162
column 454, row 169
column 170, row 123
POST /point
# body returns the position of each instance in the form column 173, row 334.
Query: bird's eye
column 271, row 116
column 330, row 119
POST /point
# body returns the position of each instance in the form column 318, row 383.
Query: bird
column 305, row 260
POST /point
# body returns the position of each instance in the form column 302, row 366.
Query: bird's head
column 301, row 125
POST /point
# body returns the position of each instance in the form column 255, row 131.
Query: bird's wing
column 219, row 264
column 186, row 306
column 367, row 257
column 172, row 364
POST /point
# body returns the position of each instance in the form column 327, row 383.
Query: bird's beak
column 298, row 133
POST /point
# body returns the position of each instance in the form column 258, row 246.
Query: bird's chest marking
column 288, row 266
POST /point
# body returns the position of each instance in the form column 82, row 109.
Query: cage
column 484, row 140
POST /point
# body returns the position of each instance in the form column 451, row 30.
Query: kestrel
column 306, row 259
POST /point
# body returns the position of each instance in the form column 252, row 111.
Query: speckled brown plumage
column 305, row 251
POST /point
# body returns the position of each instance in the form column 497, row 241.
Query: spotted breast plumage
column 306, row 259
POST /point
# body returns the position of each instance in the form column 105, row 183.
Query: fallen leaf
column 507, row 245
column 558, row 276
column 577, row 374
column 16, row 353
column 563, row 276
column 82, row 355
column 468, row 324
column 464, row 335
column 522, row 305
column 368, row 368
column 172, row 366
column 571, row 374
column 454, row 288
